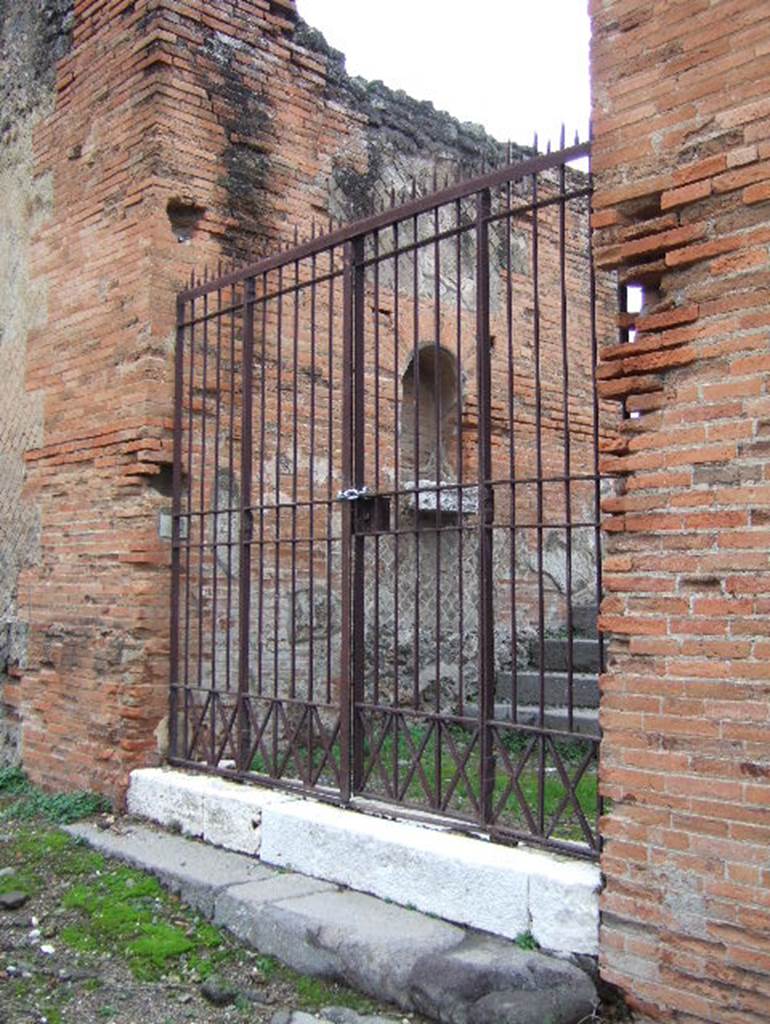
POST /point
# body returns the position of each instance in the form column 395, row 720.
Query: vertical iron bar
column 459, row 440
column 376, row 623
column 277, row 699
column 397, row 511
column 359, row 472
column 294, row 481
column 310, row 688
column 176, row 504
column 511, row 452
column 437, row 383
column 417, row 478
column 202, row 527
column 262, row 471
column 329, row 481
column 230, row 493
column 567, row 445
column 539, row 503
column 346, row 540
column 188, row 538
column 486, row 506
column 244, row 562
column 215, row 516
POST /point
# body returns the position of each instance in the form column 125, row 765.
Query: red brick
column 686, row 194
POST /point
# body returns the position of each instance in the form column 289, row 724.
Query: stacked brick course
column 682, row 165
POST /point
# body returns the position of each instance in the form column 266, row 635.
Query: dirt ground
column 86, row 940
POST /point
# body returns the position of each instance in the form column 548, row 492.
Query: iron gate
column 386, row 541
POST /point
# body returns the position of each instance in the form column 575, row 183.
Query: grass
column 460, row 795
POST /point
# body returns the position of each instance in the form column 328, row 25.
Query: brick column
column 681, row 120
column 146, row 177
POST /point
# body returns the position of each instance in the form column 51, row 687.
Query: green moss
column 122, row 911
column 313, row 993
column 158, row 943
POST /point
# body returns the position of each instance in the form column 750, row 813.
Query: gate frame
column 352, row 237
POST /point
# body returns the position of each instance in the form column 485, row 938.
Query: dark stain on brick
column 247, row 125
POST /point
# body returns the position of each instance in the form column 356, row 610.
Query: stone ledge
column 206, row 807
column 451, row 974
column 502, row 890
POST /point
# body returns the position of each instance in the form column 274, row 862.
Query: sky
column 514, row 66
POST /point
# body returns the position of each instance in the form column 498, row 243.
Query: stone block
column 170, row 798
column 485, row 979
column 493, row 888
column 194, row 871
column 225, row 813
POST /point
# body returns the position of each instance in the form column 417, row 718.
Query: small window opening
column 430, row 424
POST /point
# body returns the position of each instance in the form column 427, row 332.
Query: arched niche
column 430, row 416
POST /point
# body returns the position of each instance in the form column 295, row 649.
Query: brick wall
column 31, row 38
column 167, row 134
column 682, row 145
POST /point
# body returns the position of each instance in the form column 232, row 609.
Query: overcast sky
column 515, row 66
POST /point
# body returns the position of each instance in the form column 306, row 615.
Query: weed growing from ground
column 527, row 941
column 31, row 803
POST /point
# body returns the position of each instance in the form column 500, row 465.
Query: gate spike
column 534, row 144
column 414, row 187
column 312, row 228
column 296, row 235
column 577, row 137
column 548, row 146
column 392, row 196
column 562, row 136
column 435, row 178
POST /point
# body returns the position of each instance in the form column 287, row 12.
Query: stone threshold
column 450, row 974
column 505, row 891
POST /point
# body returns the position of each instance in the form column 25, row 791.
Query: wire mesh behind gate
column 386, row 511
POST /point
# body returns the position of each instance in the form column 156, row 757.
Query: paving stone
column 297, row 1017
column 193, row 870
column 344, row 1015
column 253, row 913
column 486, row 979
column 449, row 973
column 358, row 939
